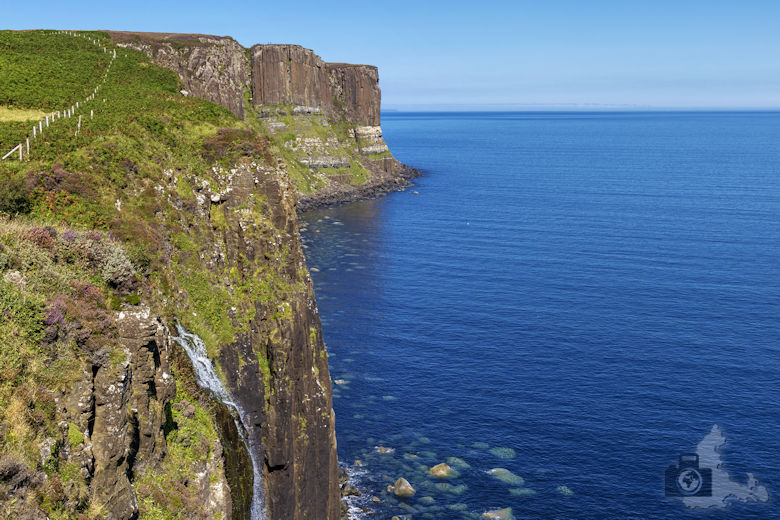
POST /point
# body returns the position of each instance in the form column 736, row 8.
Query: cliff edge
column 322, row 118
column 158, row 197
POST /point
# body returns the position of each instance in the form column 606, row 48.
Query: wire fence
column 72, row 111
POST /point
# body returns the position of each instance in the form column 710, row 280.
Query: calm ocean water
column 574, row 297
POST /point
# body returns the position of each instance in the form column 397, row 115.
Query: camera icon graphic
column 687, row 479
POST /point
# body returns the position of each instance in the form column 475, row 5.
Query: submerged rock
column 457, row 462
column 449, row 488
column 565, row 491
column 522, row 491
column 503, row 453
column 504, row 475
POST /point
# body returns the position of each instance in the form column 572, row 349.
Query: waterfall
column 208, row 379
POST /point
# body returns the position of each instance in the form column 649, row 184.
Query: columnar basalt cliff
column 289, row 75
column 218, row 69
column 355, row 89
column 332, row 109
column 282, row 347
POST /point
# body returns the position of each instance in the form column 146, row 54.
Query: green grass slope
column 103, row 219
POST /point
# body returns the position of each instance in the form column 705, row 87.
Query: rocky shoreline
column 376, row 187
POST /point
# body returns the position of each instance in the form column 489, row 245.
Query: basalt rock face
column 355, row 90
column 292, row 75
column 210, row 67
column 117, row 407
column 219, row 69
column 289, row 75
column 114, row 419
column 277, row 371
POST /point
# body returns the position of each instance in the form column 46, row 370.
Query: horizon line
column 498, row 107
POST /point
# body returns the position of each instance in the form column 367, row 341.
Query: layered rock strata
column 283, row 81
column 219, row 69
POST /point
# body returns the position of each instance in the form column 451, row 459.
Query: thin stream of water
column 208, row 379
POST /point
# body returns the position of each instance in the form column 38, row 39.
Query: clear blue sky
column 439, row 54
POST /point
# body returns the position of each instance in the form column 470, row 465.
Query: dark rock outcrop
column 356, row 92
column 291, row 407
column 289, row 75
column 210, row 67
column 111, row 443
column 114, row 418
column 388, row 175
column 218, row 69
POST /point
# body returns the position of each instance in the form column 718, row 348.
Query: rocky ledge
column 381, row 183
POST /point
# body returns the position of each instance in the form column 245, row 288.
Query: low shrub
column 14, row 196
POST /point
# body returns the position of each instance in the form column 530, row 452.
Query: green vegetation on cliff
column 137, row 207
column 33, row 78
column 55, row 294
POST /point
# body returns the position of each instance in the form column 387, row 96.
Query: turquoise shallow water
column 574, row 297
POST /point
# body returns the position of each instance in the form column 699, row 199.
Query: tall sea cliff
column 157, row 199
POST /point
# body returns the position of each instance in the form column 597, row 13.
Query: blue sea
column 576, row 298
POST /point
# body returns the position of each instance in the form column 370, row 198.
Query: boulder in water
column 348, row 490
column 499, row 514
column 442, row 470
column 403, row 489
